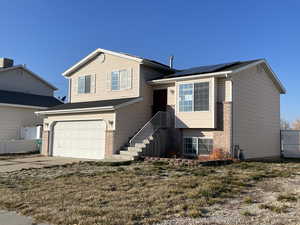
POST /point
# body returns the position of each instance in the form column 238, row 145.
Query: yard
column 156, row 193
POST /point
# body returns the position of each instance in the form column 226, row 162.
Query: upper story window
column 194, row 97
column 84, row 84
column 120, row 80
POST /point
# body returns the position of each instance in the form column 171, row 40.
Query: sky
column 49, row 36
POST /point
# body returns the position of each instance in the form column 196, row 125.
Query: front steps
column 139, row 150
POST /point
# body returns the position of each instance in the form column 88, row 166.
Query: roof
column 30, row 72
column 98, row 51
column 24, row 99
column 211, row 68
column 223, row 69
column 93, row 104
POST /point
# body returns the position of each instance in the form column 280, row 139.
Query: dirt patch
column 142, row 193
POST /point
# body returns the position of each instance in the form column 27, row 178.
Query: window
column 84, row 84
column 194, row 97
column 186, row 97
column 120, row 80
column 197, row 146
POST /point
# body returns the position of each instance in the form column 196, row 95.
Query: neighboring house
column 22, row 92
column 113, row 97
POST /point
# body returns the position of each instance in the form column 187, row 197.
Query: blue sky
column 51, row 35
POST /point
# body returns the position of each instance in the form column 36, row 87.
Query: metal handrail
column 158, row 121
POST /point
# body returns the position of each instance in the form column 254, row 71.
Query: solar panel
column 202, row 69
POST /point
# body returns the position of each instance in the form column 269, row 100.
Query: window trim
column 210, row 87
column 189, row 154
column 81, row 76
column 129, row 73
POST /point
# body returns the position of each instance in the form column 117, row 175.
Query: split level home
column 22, row 92
column 126, row 106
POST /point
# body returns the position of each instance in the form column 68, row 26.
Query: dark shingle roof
column 92, row 104
column 19, row 98
column 211, row 68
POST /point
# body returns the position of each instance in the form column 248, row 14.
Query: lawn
column 139, row 193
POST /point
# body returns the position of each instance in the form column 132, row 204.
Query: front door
column 159, row 100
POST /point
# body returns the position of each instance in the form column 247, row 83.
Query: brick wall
column 45, row 143
column 109, row 143
column 222, row 135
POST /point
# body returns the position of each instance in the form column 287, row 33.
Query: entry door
column 79, row 139
column 159, row 100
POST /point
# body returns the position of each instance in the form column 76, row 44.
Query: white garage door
column 79, row 139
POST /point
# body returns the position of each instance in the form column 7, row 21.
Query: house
column 125, row 106
column 22, row 92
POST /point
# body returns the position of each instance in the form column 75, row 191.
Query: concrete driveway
column 9, row 164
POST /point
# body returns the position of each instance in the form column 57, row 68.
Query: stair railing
column 158, row 121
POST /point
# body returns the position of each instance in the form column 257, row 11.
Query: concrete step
column 129, row 153
column 132, row 149
column 146, row 141
column 140, row 145
column 121, row 157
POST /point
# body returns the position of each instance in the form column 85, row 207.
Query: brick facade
column 222, row 135
column 45, row 143
column 109, row 143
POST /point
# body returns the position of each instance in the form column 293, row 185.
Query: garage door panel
column 79, row 139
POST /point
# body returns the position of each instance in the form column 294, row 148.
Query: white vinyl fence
column 290, row 143
column 17, row 146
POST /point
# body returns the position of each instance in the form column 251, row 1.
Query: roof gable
column 98, row 51
column 30, row 73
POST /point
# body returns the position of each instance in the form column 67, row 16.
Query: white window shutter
column 93, row 83
column 74, row 83
column 108, row 81
column 130, row 75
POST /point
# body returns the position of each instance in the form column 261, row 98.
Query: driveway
column 10, row 164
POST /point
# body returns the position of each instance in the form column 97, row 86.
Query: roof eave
column 92, row 109
column 96, row 52
column 23, row 106
column 188, row 77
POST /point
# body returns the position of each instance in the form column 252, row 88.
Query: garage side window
column 84, row 84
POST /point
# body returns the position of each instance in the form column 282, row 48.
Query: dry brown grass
column 141, row 193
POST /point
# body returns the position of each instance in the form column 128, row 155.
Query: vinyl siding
column 256, row 113
column 13, row 118
column 21, row 81
column 101, row 72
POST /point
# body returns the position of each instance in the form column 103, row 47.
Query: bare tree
column 284, row 124
column 296, row 124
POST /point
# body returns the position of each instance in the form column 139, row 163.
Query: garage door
column 79, row 139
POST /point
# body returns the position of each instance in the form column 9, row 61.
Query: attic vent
column 5, row 62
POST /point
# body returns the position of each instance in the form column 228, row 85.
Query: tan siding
column 101, row 71
column 131, row 119
column 256, row 115
column 12, row 119
column 198, row 119
column 21, row 81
